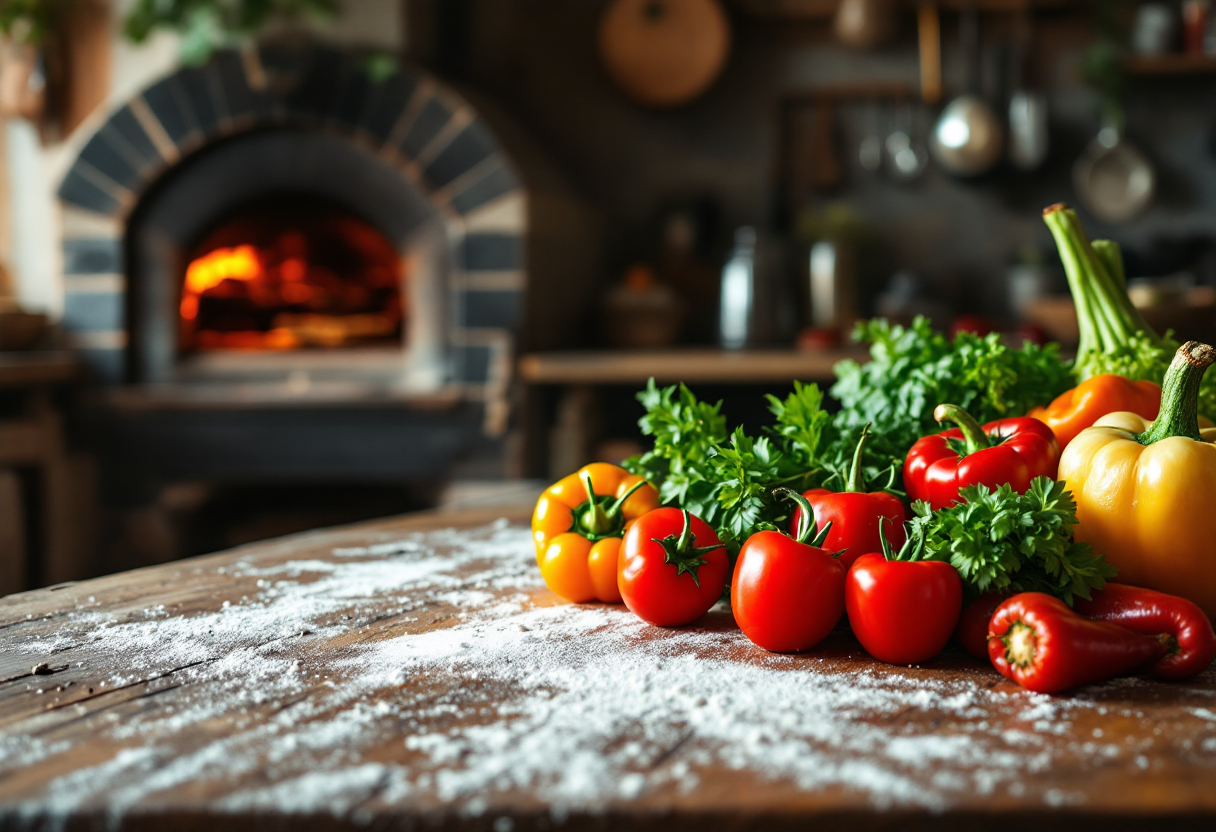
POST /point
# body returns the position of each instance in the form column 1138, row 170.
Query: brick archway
column 429, row 133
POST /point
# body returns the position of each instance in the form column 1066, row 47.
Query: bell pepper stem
column 973, row 432
column 680, row 553
column 595, row 518
column 1020, row 644
column 857, row 478
column 1179, row 415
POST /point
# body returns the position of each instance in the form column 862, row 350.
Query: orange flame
column 213, row 268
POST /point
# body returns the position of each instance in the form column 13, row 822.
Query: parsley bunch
column 1003, row 541
column 913, row 369
column 727, row 479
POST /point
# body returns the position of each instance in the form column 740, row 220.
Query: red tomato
column 857, row 520
column 786, row 595
column 975, row 324
column 972, row 630
column 672, row 568
column 1033, row 333
column 902, row 612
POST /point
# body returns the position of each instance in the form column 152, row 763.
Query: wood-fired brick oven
column 405, row 158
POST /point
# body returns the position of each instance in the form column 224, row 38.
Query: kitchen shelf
column 824, row 9
column 1157, row 65
column 20, row 369
column 691, row 365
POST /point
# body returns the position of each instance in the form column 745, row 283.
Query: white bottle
column 738, row 291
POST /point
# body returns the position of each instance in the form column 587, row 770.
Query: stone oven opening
column 289, row 255
column 291, row 272
column 307, row 275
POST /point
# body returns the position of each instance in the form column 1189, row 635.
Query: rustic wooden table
column 413, row 673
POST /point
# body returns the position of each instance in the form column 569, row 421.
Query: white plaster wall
column 35, row 171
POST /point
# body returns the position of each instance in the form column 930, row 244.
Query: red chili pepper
column 787, row 593
column 1039, row 642
column 857, row 517
column 1012, row 451
column 972, row 630
column 1185, row 626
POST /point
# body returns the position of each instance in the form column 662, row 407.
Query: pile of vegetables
column 1001, row 531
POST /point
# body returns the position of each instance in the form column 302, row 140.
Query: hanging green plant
column 30, row 21
column 208, row 25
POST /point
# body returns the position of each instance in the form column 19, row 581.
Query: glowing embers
column 292, row 273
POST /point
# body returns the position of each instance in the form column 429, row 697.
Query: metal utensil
column 906, row 152
column 1028, row 137
column 833, row 281
column 968, row 139
column 1114, row 180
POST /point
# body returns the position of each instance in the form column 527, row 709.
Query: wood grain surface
column 414, row 673
column 690, row 365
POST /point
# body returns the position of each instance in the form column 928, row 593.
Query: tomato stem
column 679, row 551
column 805, row 529
column 615, row 509
column 1179, row 414
column 913, row 548
column 972, row 431
column 857, row 478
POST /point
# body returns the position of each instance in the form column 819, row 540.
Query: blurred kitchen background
column 314, row 261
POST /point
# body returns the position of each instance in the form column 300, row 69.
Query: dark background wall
column 537, row 58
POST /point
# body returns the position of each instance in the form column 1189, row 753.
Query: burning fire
column 210, row 270
column 283, row 282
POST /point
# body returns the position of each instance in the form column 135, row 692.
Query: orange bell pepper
column 578, row 525
column 1077, row 409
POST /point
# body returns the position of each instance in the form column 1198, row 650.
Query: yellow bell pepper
column 578, row 525
column 1146, row 491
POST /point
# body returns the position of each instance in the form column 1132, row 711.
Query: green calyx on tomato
column 679, row 551
column 912, row 550
column 807, row 532
column 601, row 516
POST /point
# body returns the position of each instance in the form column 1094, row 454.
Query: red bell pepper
column 1187, row 630
column 1039, row 642
column 858, row 517
column 1012, row 451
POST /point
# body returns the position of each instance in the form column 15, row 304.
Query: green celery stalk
column 1114, row 336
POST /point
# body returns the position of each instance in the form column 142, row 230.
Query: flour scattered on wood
column 459, row 681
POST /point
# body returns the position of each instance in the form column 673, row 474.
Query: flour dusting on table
column 508, row 690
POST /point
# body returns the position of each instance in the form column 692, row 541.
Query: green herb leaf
column 801, row 420
column 728, row 484
column 1003, row 541
column 913, row 369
